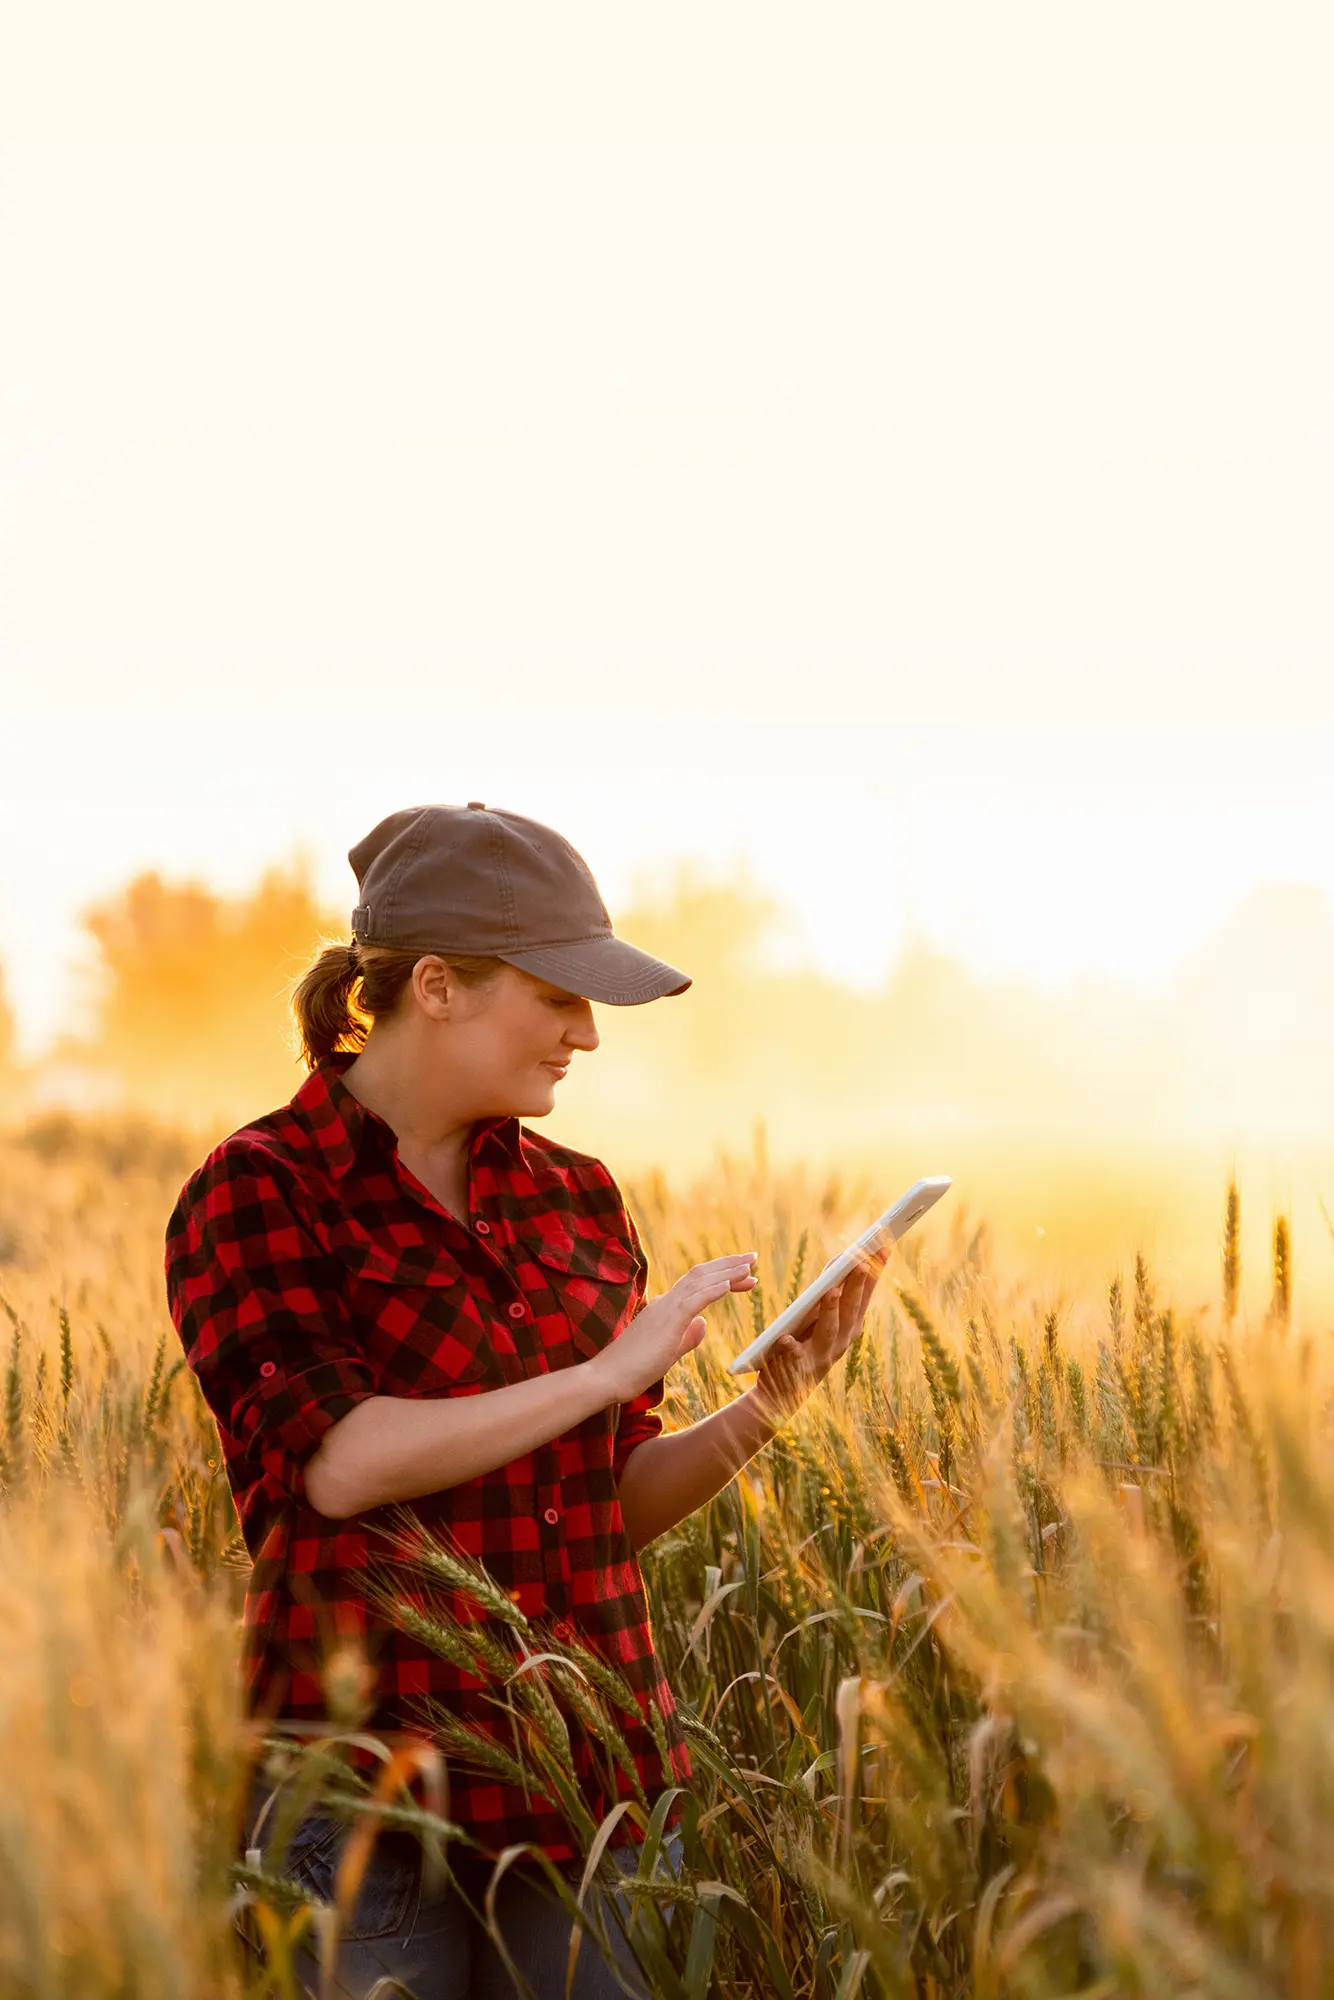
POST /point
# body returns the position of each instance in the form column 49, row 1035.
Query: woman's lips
column 558, row 1069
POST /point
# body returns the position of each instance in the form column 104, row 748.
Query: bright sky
column 892, row 446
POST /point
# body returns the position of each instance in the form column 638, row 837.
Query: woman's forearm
column 668, row 1477
column 399, row 1447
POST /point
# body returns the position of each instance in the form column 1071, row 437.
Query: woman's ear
column 433, row 987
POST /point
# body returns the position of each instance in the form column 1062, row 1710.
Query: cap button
column 475, row 805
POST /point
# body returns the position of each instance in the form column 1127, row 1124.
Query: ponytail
column 322, row 1002
column 332, row 1014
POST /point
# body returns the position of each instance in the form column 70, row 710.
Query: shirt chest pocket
column 420, row 1324
column 591, row 1283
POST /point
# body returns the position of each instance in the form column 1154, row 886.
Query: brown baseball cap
column 475, row 879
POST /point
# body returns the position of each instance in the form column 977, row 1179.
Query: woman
column 392, row 1291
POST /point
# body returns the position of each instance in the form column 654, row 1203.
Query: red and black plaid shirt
column 307, row 1269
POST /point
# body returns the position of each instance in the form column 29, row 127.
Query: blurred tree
column 190, row 1001
column 712, row 929
column 716, row 932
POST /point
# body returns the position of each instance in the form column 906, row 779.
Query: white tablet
column 886, row 1229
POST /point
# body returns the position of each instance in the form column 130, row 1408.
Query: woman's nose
column 583, row 1034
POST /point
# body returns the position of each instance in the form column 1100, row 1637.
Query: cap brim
column 603, row 968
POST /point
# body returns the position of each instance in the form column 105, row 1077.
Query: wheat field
column 1008, row 1670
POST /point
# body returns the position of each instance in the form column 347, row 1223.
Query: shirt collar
column 336, row 1121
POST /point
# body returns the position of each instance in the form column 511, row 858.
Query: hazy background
column 880, row 459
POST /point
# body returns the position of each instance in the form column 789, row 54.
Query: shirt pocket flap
column 428, row 1345
column 600, row 1258
column 592, row 1280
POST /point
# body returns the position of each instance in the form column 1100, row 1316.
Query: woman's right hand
column 669, row 1326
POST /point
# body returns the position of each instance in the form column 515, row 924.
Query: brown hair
column 350, row 986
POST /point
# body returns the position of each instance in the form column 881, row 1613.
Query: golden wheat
column 1007, row 1670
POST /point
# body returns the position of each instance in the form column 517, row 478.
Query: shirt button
column 518, row 1309
column 551, row 1517
column 268, row 1368
column 483, row 1228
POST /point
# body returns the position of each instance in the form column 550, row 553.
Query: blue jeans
column 429, row 1941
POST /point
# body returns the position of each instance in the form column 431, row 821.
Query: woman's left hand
column 798, row 1362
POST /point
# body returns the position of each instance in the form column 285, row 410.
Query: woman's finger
column 707, row 1282
column 824, row 1334
column 850, row 1320
column 822, row 1314
column 739, row 1264
column 861, row 1298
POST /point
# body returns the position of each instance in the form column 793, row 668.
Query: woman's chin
column 536, row 1101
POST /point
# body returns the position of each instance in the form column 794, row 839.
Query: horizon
column 1291, row 919
column 1135, row 878
column 1080, row 1125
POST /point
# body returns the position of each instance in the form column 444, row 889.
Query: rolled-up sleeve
column 257, row 1305
column 639, row 1419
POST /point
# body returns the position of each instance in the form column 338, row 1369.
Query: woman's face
column 506, row 1045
